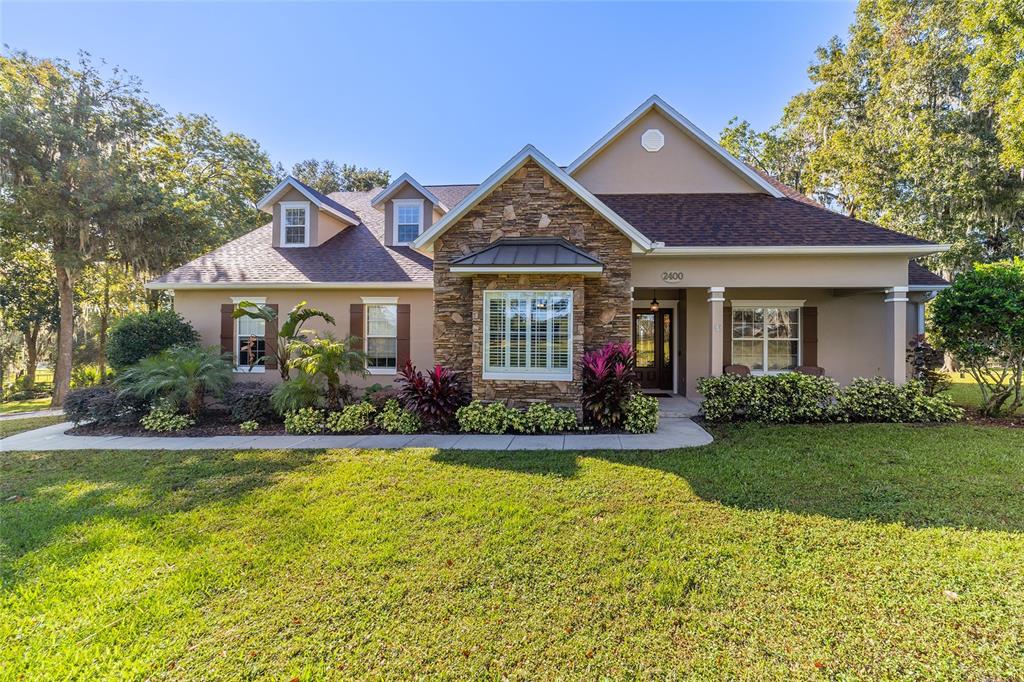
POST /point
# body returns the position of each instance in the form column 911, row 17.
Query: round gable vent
column 653, row 140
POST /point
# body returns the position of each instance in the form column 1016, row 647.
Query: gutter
column 288, row 285
column 913, row 250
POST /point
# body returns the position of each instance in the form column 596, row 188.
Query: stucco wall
column 202, row 309
column 681, row 166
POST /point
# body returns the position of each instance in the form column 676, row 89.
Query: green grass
column 9, row 427
column 12, row 406
column 838, row 552
column 964, row 391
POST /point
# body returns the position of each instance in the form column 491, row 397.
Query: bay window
column 766, row 339
column 528, row 335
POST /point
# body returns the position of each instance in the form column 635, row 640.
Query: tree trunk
column 31, row 354
column 65, row 336
column 104, row 321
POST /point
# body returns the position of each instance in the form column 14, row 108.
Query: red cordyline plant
column 435, row 396
column 609, row 379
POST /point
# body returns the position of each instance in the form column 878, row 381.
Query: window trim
column 378, row 301
column 285, row 205
column 247, row 369
column 526, row 375
column 395, row 204
column 751, row 305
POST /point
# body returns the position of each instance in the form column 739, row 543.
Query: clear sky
column 447, row 92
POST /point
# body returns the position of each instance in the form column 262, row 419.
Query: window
column 528, row 335
column 767, row 340
column 294, row 223
column 381, row 338
column 250, row 344
column 408, row 220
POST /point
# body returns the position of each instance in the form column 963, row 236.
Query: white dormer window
column 408, row 220
column 294, row 223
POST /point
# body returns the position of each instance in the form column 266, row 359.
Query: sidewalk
column 29, row 415
column 672, row 433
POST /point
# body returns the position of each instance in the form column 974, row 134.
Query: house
column 654, row 234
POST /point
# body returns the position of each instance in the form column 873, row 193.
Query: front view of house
column 654, row 234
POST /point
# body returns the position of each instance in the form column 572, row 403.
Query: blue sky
column 446, row 92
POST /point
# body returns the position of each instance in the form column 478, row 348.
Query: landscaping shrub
column 164, row 418
column 141, row 335
column 301, row 391
column 543, row 418
column 880, row 400
column 249, row 401
column 103, row 405
column 181, row 376
column 354, row 418
column 305, row 421
column 772, row 398
column 609, row 379
column 433, row 397
column 84, row 376
column 380, row 397
column 331, row 359
column 642, row 414
column 479, row 417
column 251, row 426
column 393, row 418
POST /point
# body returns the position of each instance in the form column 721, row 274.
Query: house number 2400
column 671, row 276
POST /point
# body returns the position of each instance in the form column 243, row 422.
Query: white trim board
column 702, row 138
column 402, row 179
column 902, row 249
column 425, row 241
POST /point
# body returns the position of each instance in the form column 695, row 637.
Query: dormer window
column 294, row 223
column 408, row 220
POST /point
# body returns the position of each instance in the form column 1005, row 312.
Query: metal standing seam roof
column 519, row 252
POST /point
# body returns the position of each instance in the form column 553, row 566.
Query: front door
column 652, row 343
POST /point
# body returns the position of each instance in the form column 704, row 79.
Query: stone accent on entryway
column 673, row 433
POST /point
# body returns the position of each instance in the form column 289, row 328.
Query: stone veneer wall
column 531, row 203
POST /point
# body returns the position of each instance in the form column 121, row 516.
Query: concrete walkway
column 672, row 433
column 29, row 415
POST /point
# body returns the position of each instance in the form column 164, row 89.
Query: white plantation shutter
column 528, row 332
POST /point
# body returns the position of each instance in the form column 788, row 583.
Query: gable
column 682, row 166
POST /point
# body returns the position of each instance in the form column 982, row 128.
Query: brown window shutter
column 810, row 350
column 227, row 329
column 726, row 336
column 403, row 334
column 270, row 340
column 355, row 325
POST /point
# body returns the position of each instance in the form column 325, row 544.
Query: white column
column 716, row 314
column 895, row 367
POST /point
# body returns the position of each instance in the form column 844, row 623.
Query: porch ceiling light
column 654, row 304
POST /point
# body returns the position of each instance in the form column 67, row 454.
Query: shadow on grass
column 42, row 493
column 951, row 476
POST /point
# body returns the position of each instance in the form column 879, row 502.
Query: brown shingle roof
column 745, row 220
column 920, row 276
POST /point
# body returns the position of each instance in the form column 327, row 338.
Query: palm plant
column 181, row 375
column 330, row 358
column 289, row 333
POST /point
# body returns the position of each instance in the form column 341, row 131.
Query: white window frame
column 246, row 369
column 396, row 203
column 285, row 205
column 379, row 301
column 519, row 374
column 753, row 305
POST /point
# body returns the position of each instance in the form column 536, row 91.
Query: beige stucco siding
column 202, row 309
column 681, row 166
column 770, row 271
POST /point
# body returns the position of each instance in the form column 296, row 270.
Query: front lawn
column 31, row 405
column 9, row 427
column 852, row 551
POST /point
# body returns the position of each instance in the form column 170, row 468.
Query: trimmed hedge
column 798, row 398
column 141, row 335
column 479, row 417
column 103, row 405
column 250, row 401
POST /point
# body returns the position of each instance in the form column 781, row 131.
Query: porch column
column 716, row 319
column 895, row 367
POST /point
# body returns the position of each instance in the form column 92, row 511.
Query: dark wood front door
column 652, row 342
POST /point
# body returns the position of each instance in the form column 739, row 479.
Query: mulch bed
column 1011, row 422
column 209, row 424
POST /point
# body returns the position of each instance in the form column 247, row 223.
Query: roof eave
column 290, row 285
column 585, row 270
column 389, row 191
column 266, row 204
column 909, row 250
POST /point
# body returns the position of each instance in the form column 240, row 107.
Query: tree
column 28, row 298
column 330, row 358
column 141, row 335
column 327, row 176
column 980, row 321
column 289, row 333
column 70, row 141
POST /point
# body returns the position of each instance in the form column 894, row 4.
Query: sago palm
column 182, row 375
column 330, row 358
